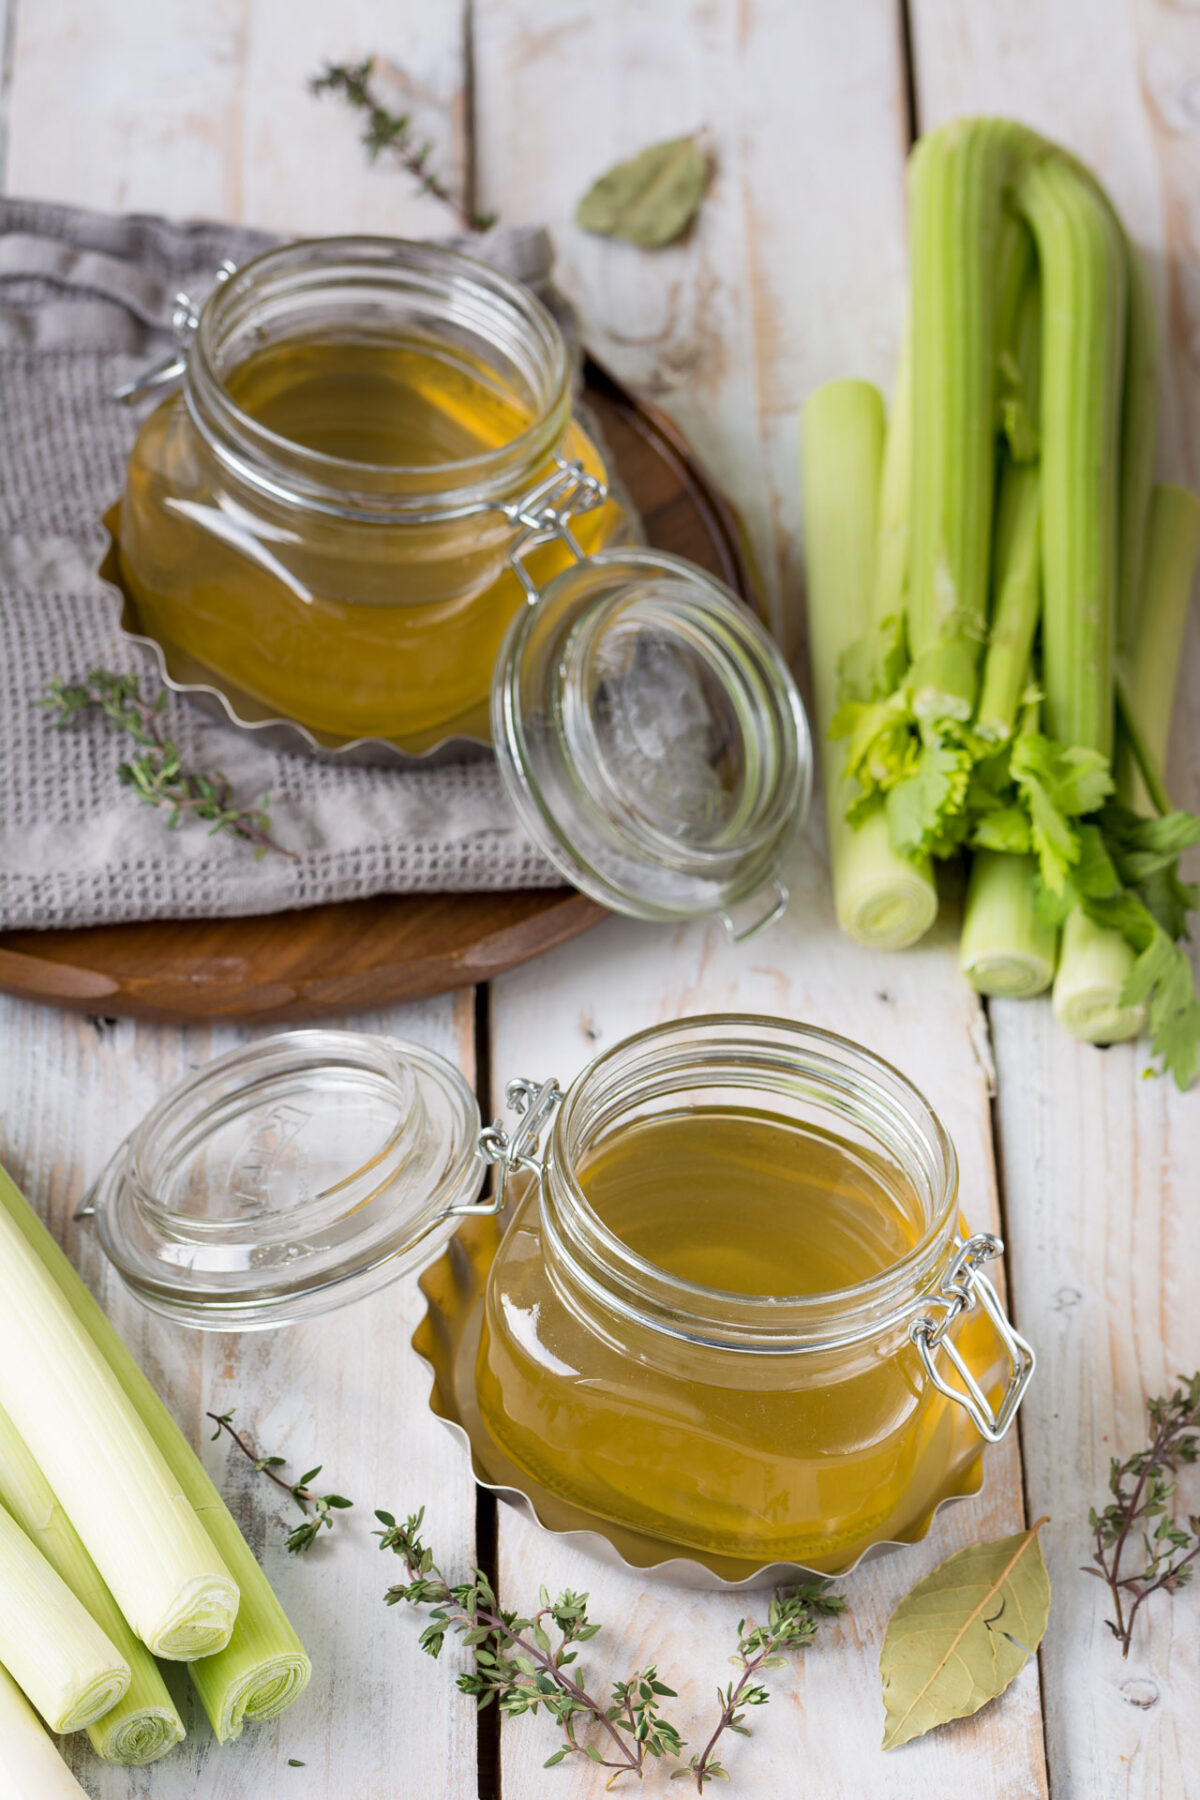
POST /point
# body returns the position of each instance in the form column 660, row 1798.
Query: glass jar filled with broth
column 319, row 522
column 734, row 1309
column 737, row 1311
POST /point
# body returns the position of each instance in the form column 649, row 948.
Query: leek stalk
column 882, row 899
column 30, row 1766
column 119, row 1494
column 264, row 1667
column 49, row 1642
column 144, row 1723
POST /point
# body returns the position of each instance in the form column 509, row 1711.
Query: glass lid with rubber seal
column 653, row 741
column 289, row 1177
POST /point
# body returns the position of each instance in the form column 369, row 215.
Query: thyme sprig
column 304, row 1535
column 1142, row 1512
column 791, row 1625
column 156, row 774
column 520, row 1667
column 386, row 132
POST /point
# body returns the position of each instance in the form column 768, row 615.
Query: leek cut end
column 201, row 1621
column 140, row 1738
column 94, row 1700
column 1092, row 972
column 266, row 1690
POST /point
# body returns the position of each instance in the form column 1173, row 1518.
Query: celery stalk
column 1016, row 578
column 144, row 1723
column 1018, row 601
column 98, row 1457
column 264, row 1666
column 1005, row 949
column 49, row 1643
column 895, row 493
column 1081, row 251
column 881, row 898
column 1083, row 261
column 1093, row 969
column 1152, row 665
column 1139, row 443
column 30, row 1766
column 959, row 177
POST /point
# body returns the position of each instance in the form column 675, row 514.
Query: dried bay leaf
column 958, row 1639
column 652, row 198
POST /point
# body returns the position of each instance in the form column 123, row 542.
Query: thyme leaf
column 156, row 773
column 1141, row 1514
column 388, row 133
column 520, row 1667
column 318, row 1509
column 792, row 1620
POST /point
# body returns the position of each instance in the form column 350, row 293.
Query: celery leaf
column 1003, row 828
column 1058, row 785
column 925, row 808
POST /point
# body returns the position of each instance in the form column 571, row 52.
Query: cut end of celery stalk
column 1009, row 975
column 882, row 899
column 1092, row 971
column 1005, row 950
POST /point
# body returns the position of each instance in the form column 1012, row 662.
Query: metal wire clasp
column 546, row 511
column 963, row 1286
column 535, row 1104
column 185, row 318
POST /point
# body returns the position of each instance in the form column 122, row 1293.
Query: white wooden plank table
column 793, row 275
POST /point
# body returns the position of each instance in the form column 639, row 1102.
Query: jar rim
column 468, row 289
column 617, row 1277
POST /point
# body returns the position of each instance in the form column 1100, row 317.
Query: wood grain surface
column 793, row 274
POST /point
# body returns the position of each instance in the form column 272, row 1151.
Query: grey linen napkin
column 84, row 302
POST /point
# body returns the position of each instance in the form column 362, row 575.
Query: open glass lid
column 653, row 740
column 289, row 1177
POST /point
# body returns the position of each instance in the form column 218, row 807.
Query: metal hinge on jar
column 535, row 1104
column 963, row 1287
column 546, row 511
column 185, row 319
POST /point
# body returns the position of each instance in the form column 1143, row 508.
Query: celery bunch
column 1027, row 576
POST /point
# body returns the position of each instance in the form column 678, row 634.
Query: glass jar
column 758, row 1426
column 319, row 522
column 316, row 1166
column 648, row 730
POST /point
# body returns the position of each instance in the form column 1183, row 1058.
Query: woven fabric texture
column 84, row 300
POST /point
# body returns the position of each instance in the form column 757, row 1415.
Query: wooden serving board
column 370, row 953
